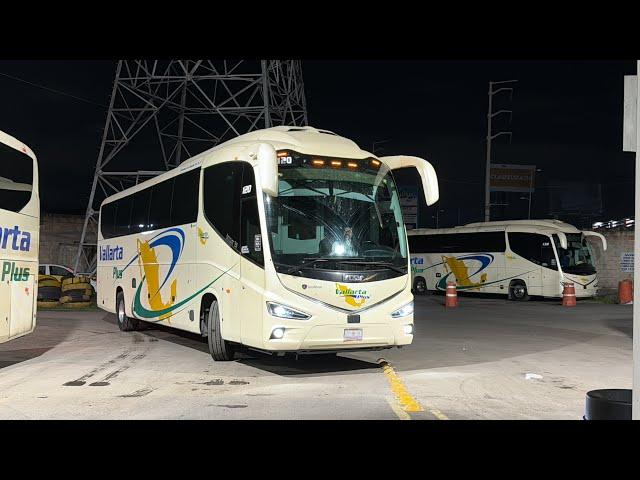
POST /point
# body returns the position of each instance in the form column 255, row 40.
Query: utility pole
column 490, row 137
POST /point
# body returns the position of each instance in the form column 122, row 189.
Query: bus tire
column 219, row 348
column 125, row 323
column 420, row 286
column 518, row 291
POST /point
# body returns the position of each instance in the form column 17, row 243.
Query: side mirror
column 425, row 170
column 599, row 235
column 563, row 240
column 268, row 167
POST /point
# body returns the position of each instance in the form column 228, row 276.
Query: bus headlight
column 403, row 311
column 281, row 311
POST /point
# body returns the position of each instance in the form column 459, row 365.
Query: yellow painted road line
column 405, row 401
column 404, row 398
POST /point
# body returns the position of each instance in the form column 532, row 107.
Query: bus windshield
column 337, row 214
column 576, row 258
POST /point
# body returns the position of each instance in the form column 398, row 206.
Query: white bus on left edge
column 19, row 237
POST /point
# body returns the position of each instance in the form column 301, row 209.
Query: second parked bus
column 518, row 258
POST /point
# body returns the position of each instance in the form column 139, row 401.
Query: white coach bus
column 519, row 258
column 288, row 239
column 19, row 232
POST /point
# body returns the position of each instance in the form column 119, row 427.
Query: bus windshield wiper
column 307, row 262
column 390, row 266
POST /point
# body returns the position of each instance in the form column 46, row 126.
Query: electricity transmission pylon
column 162, row 112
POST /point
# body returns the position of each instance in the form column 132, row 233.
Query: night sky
column 567, row 120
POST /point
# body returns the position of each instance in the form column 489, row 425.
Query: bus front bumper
column 336, row 337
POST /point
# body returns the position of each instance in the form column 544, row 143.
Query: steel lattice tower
column 162, row 112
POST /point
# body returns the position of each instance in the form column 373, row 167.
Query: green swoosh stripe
column 142, row 312
column 439, row 285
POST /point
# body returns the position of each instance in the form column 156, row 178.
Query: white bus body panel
column 19, row 258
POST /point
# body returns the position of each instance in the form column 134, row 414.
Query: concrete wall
column 59, row 238
column 608, row 263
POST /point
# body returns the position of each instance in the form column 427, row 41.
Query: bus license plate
column 352, row 334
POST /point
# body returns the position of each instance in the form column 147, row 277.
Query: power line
column 52, row 90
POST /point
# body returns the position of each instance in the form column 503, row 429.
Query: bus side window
column 16, row 178
column 108, row 219
column 250, row 236
column 534, row 247
column 160, row 208
column 222, row 184
column 140, row 211
column 184, row 203
column 123, row 216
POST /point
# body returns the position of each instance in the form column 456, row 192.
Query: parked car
column 62, row 271
column 58, row 271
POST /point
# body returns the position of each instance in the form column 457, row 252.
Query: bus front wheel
column 125, row 323
column 220, row 349
column 518, row 291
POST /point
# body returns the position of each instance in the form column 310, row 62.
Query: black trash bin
column 608, row 404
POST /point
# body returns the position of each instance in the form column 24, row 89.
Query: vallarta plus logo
column 15, row 239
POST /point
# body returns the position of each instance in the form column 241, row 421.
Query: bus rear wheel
column 518, row 291
column 125, row 323
column 219, row 348
column 420, row 286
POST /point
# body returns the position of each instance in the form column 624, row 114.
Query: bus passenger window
column 16, row 178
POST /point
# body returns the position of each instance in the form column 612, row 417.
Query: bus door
column 251, row 261
column 534, row 261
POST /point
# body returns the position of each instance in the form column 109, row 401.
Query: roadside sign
column 626, row 262
column 512, row 178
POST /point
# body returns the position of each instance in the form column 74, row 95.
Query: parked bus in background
column 19, row 233
column 518, row 258
column 288, row 239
